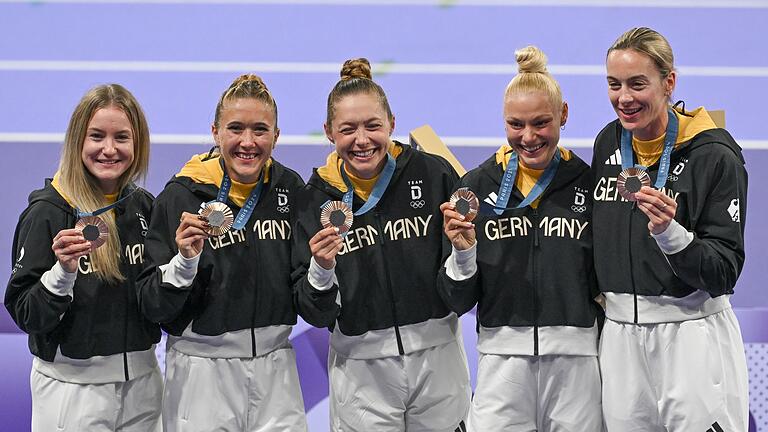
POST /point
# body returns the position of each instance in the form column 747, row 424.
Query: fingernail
column 337, row 230
column 202, row 218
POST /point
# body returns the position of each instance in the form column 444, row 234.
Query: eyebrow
column 95, row 129
column 633, row 77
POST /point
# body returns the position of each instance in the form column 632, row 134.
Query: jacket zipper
column 631, row 269
column 377, row 217
column 255, row 291
column 534, row 253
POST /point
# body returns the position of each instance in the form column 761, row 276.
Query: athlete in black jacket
column 395, row 361
column 668, row 255
column 95, row 366
column 526, row 261
column 225, row 298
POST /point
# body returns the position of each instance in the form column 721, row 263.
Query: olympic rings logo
column 284, row 209
column 672, row 177
column 579, row 209
column 418, row 204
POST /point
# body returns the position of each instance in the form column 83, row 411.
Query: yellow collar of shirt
column 698, row 120
column 526, row 177
column 331, row 173
column 210, row 172
column 56, row 183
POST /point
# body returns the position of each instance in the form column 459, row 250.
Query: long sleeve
column 317, row 307
column 160, row 300
column 34, row 307
column 713, row 260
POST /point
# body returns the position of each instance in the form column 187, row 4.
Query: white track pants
column 688, row 376
column 233, row 395
column 132, row 406
column 550, row 393
column 425, row 390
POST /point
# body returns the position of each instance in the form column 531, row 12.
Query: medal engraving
column 336, row 214
column 94, row 230
column 630, row 181
column 219, row 216
column 465, row 203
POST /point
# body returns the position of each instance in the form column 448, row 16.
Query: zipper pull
column 536, row 227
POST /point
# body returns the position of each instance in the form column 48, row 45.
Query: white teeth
column 630, row 111
column 532, row 149
column 366, row 153
column 246, row 155
column 108, row 162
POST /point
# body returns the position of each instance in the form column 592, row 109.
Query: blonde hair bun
column 531, row 60
column 356, row 68
column 247, row 79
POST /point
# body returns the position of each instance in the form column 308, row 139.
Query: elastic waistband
column 552, row 340
column 235, row 344
column 620, row 307
column 383, row 343
column 97, row 369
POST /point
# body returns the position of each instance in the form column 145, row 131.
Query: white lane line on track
column 317, row 140
column 333, row 68
column 698, row 4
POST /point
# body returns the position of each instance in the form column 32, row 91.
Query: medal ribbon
column 508, row 183
column 245, row 212
column 378, row 189
column 82, row 214
column 627, row 154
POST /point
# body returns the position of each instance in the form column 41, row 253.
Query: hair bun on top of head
column 356, row 68
column 249, row 79
column 531, row 60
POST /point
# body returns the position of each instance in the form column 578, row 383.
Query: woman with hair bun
column 77, row 255
column 218, row 276
column 670, row 196
column 367, row 250
column 528, row 268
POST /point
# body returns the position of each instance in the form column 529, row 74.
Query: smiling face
column 533, row 127
column 638, row 93
column 246, row 135
column 108, row 147
column 361, row 131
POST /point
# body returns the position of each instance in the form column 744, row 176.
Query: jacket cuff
column 673, row 239
column 320, row 278
column 462, row 264
column 59, row 281
column 180, row 272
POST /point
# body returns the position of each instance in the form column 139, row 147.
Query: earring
column 562, row 127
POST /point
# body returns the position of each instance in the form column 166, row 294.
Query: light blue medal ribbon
column 245, row 212
column 378, row 189
column 82, row 214
column 627, row 154
column 508, row 184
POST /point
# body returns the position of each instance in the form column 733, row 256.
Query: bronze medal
column 94, row 230
column 336, row 214
column 466, row 203
column 219, row 217
column 630, row 181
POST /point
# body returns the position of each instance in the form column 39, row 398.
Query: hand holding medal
column 458, row 215
column 658, row 206
column 68, row 246
column 336, row 219
column 190, row 235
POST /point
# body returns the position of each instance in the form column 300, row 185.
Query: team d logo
column 580, row 200
column 282, row 202
column 417, row 201
column 734, row 211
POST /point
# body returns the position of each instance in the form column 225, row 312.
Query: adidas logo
column 491, row 198
column 615, row 158
column 715, row 428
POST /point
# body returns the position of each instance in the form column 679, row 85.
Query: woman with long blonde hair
column 77, row 252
